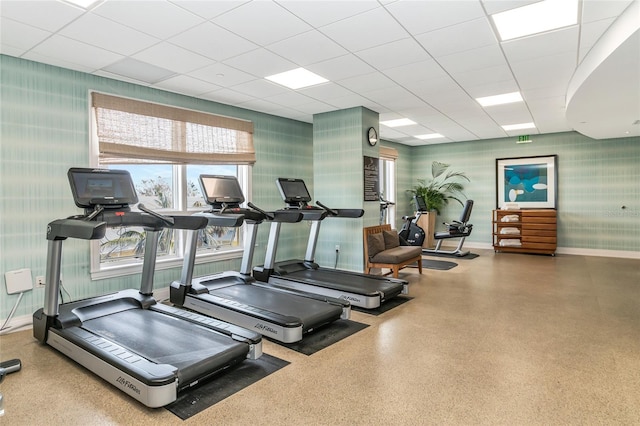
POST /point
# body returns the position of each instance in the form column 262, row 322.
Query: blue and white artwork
column 525, row 182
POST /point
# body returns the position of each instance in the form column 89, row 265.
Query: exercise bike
column 384, row 205
column 415, row 235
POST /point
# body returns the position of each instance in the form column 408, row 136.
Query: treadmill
column 146, row 349
column 361, row 290
column 284, row 315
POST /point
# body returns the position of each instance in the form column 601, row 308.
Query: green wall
column 44, row 131
column 595, row 179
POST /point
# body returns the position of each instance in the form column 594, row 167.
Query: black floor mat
column 325, row 336
column 386, row 306
column 193, row 401
column 451, row 256
column 439, row 265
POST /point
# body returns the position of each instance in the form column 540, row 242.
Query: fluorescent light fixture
column 536, row 18
column 85, row 4
column 398, row 122
column 505, row 98
column 429, row 136
column 297, row 78
column 520, row 126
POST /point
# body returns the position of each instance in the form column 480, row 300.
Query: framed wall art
column 529, row 182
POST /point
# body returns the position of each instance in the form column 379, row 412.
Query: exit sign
column 524, row 139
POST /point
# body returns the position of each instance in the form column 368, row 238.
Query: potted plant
column 437, row 192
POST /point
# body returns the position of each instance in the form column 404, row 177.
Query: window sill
column 131, row 269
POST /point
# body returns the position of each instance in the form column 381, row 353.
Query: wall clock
column 372, row 136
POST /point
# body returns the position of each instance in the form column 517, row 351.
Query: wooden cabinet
column 525, row 231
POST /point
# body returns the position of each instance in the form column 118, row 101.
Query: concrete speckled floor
column 501, row 339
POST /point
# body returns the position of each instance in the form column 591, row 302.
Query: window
column 166, row 149
column 388, row 182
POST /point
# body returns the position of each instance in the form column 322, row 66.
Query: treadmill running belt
column 359, row 284
column 196, row 351
column 312, row 313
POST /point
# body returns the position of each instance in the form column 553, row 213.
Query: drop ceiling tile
column 290, row 98
column 10, row 50
column 209, row 9
column 416, row 72
column 47, row 15
column 595, row 10
column 315, row 107
column 510, row 113
column 159, row 19
column 227, row 96
column 355, row 100
column 487, row 81
column 172, row 57
column 394, row 54
column 422, row 16
column 297, row 48
column 57, row 61
column 261, row 63
column 326, row 91
column 341, row 67
column 62, row 50
column 112, row 36
column 222, row 75
column 548, row 71
column 496, row 6
column 113, row 76
column 458, row 38
column 254, row 21
column 213, row 42
column 374, row 27
column 260, row 88
column 187, row 85
column 394, row 97
column 20, row 36
column 363, row 82
column 322, row 12
column 476, row 59
column 547, row 44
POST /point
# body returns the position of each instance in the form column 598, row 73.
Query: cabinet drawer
column 546, row 232
column 539, row 246
column 539, row 227
column 538, row 219
column 538, row 213
column 546, row 240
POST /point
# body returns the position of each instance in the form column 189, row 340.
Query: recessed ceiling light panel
column 398, row 122
column 429, row 136
column 536, row 18
column 520, row 126
column 297, row 78
column 505, row 98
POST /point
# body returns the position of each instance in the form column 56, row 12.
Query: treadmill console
column 221, row 191
column 294, row 193
column 111, row 189
column 421, row 206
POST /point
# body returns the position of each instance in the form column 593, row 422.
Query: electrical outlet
column 337, row 247
column 40, row 282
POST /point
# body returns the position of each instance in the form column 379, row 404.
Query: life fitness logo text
column 127, row 384
column 265, row 328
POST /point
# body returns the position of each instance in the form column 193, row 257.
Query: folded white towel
column 510, row 243
column 510, row 231
column 510, row 218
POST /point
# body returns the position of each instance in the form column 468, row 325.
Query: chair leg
column 396, row 269
column 420, row 266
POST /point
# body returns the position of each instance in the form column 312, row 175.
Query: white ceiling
column 424, row 60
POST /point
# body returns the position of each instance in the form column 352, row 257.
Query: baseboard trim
column 564, row 250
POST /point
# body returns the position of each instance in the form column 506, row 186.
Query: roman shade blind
column 133, row 131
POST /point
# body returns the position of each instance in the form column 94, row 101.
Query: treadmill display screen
column 91, row 187
column 293, row 190
column 221, row 189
